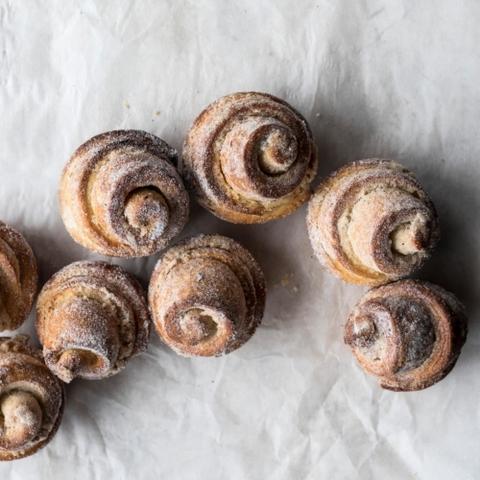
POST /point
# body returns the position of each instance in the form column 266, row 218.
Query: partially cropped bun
column 31, row 399
column 18, row 278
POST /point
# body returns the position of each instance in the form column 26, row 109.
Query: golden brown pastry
column 31, row 399
column 207, row 296
column 92, row 317
column 371, row 222
column 120, row 194
column 249, row 158
column 409, row 334
column 18, row 278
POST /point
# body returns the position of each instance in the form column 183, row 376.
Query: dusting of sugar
column 18, row 278
column 228, row 138
column 188, row 265
column 354, row 213
column 97, row 185
column 31, row 399
column 426, row 334
column 97, row 311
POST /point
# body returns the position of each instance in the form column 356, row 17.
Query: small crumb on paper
column 287, row 281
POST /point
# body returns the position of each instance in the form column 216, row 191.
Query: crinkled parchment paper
column 398, row 79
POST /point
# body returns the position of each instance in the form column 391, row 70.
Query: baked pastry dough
column 92, row 317
column 31, row 399
column 371, row 222
column 250, row 158
column 18, row 278
column 408, row 333
column 120, row 194
column 207, row 296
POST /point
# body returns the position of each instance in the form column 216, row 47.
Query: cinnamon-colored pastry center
column 397, row 335
column 87, row 338
column 147, row 211
column 277, row 151
column 385, row 230
column 259, row 158
column 363, row 331
column 21, row 419
column 410, row 237
column 197, row 326
column 76, row 362
column 370, row 334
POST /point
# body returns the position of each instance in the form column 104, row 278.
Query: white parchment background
column 399, row 79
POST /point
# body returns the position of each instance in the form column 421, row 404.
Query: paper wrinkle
column 372, row 78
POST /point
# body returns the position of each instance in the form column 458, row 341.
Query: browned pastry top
column 91, row 318
column 249, row 158
column 371, row 222
column 18, row 278
column 408, row 333
column 120, row 194
column 31, row 400
column 207, row 296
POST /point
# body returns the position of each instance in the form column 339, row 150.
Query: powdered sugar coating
column 408, row 333
column 92, row 317
column 371, row 222
column 207, row 296
column 120, row 194
column 249, row 158
column 31, row 400
column 18, row 278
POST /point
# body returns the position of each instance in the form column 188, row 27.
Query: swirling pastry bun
column 120, row 194
column 371, row 222
column 18, row 278
column 31, row 399
column 409, row 334
column 207, row 296
column 249, row 158
column 92, row 317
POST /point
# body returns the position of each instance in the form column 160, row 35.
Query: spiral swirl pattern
column 409, row 334
column 249, row 158
column 120, row 194
column 31, row 400
column 92, row 317
column 371, row 222
column 18, row 278
column 207, row 296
